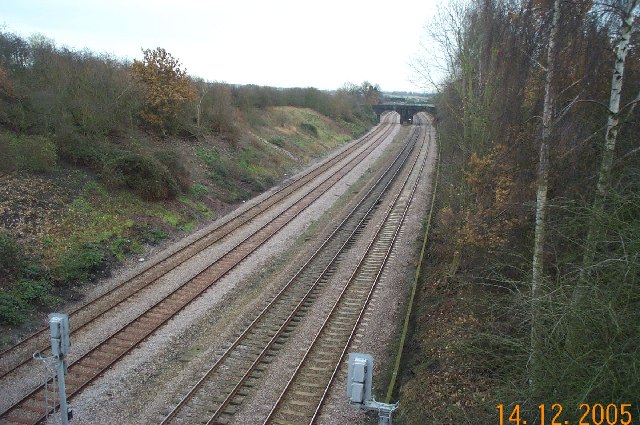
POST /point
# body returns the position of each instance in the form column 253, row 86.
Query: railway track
column 20, row 353
column 84, row 370
column 225, row 384
column 302, row 399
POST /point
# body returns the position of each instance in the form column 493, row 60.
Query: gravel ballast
column 149, row 381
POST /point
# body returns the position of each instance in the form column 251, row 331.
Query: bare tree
column 543, row 184
column 202, row 88
column 625, row 10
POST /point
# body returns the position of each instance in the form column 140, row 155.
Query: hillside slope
column 69, row 222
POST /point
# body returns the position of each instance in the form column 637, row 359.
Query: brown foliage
column 489, row 121
column 168, row 88
column 495, row 214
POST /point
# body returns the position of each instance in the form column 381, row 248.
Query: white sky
column 282, row 43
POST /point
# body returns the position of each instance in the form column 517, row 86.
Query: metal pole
column 59, row 327
column 64, row 410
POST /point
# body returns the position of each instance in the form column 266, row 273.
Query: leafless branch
column 570, row 86
column 566, row 109
column 534, row 60
column 632, row 105
column 596, row 102
column 583, row 142
column 628, row 154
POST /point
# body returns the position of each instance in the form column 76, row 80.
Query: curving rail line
column 223, row 386
column 304, row 394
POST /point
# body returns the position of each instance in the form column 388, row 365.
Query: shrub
column 17, row 303
column 80, row 264
column 6, row 160
column 210, row 156
column 82, row 151
column 175, row 164
column 151, row 177
column 24, row 283
column 277, row 140
column 11, row 256
column 144, row 175
column 310, row 128
column 154, row 235
column 34, row 291
column 36, row 153
column 120, row 247
column 31, row 153
column 12, row 308
column 198, row 190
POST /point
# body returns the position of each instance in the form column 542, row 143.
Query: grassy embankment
column 71, row 211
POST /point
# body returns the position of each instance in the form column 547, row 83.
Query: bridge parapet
column 406, row 111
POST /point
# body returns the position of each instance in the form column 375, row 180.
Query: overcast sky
column 282, row 43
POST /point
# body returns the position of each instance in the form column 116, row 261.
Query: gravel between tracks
column 383, row 321
column 143, row 386
column 18, row 383
column 377, row 334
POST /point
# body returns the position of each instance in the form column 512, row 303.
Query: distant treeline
column 99, row 112
column 57, row 92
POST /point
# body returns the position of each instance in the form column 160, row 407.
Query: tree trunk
column 604, row 175
column 541, row 195
column 199, row 104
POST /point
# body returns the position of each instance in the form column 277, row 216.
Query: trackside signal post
column 359, row 381
column 59, row 328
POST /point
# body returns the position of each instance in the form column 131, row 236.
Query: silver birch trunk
column 604, row 175
column 541, row 195
column 199, row 106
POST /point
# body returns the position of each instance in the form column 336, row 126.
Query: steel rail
column 417, row 275
column 364, row 307
column 216, row 415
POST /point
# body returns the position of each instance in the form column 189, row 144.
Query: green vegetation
column 79, row 263
column 488, row 330
column 197, row 206
column 309, row 128
column 31, row 153
column 24, row 298
column 24, row 282
column 99, row 157
column 277, row 140
column 11, row 256
column 143, row 175
column 198, row 190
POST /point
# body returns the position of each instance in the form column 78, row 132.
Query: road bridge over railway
column 406, row 111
